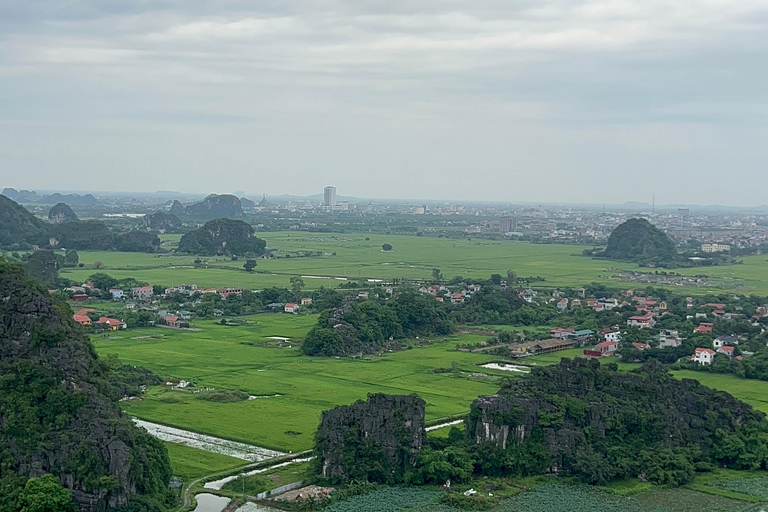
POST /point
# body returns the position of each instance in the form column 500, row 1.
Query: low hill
column 176, row 208
column 90, row 234
column 640, row 241
column 18, row 225
column 216, row 207
column 59, row 411
column 584, row 418
column 61, row 213
column 222, row 237
column 162, row 221
column 366, row 327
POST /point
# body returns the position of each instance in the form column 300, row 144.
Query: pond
column 210, row 503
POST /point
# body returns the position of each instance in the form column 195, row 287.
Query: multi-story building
column 329, row 197
column 508, row 224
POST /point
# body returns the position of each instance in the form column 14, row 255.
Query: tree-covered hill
column 583, row 418
column 59, row 413
column 18, row 225
column 640, row 241
column 216, row 207
column 366, row 327
column 90, row 234
column 61, row 213
column 222, row 237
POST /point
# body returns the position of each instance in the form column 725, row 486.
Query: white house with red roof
column 642, row 321
column 703, row 355
column 703, row 328
column 606, row 348
column 291, row 307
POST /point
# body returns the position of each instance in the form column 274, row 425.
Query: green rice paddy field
column 350, row 256
column 245, row 358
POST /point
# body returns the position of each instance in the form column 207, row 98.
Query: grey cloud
column 500, row 100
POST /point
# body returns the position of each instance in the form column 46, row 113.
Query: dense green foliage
column 90, row 234
column 43, row 265
column 162, row 221
column 61, row 213
column 366, row 326
column 640, row 241
column 137, row 241
column 216, row 207
column 58, row 408
column 45, row 494
column 591, row 421
column 222, row 237
column 18, row 225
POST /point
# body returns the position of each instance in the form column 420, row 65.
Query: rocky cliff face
column 61, row 213
column 386, row 432
column 215, row 207
column 578, row 403
column 162, row 221
column 58, row 411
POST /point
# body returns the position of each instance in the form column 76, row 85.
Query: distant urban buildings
column 715, row 247
column 508, row 224
column 329, row 197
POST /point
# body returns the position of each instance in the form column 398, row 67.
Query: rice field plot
column 292, row 389
column 754, row 486
column 188, row 463
column 560, row 497
column 388, row 499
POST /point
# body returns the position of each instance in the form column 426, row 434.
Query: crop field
column 189, row 463
column 351, row 256
column 552, row 497
column 290, row 390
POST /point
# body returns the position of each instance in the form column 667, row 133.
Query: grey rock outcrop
column 391, row 427
column 61, row 213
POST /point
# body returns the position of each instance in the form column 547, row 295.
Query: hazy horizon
column 560, row 101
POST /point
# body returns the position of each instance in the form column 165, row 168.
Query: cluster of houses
column 442, row 292
column 725, row 345
column 103, row 323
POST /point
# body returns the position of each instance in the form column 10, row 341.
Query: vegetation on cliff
column 59, row 413
column 61, row 213
column 365, row 327
column 18, row 225
column 216, row 207
column 222, row 237
column 586, row 419
column 640, row 241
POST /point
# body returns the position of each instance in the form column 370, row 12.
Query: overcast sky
column 548, row 100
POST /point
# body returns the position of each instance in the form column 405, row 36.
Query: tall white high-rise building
column 329, row 196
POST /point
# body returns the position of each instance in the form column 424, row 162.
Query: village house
column 540, row 347
column 226, row 292
column 640, row 346
column 576, row 303
column 642, row 321
column 562, row 305
column 582, row 335
column 130, row 305
column 81, row 319
column 703, row 328
column 306, row 301
column 111, row 324
column 218, row 312
column 722, row 341
column 612, row 336
column 80, row 297
column 603, row 349
column 362, row 294
column 117, row 293
column 727, row 350
column 142, row 293
column 560, row 333
column 185, row 315
column 669, row 339
column 291, row 307
column 703, row 355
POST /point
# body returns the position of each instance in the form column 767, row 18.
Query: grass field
column 228, row 358
column 190, row 463
column 350, row 256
